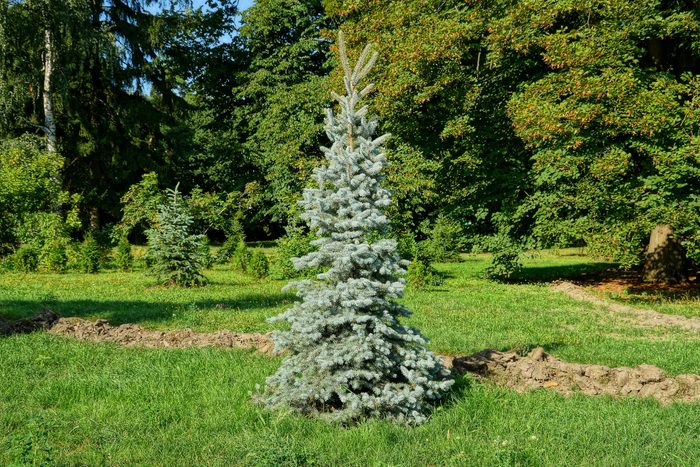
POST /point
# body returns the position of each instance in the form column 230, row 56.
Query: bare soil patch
column 638, row 316
column 132, row 335
column 540, row 370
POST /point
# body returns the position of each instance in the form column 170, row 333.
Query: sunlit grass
column 67, row 402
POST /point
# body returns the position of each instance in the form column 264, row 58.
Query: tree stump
column 665, row 260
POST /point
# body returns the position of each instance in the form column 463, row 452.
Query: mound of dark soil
column 132, row 335
column 540, row 370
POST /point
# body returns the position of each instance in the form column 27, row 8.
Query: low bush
column 258, row 265
column 54, row 255
column 241, row 257
column 506, row 260
column 26, row 259
column 205, row 253
column 421, row 275
column 91, row 255
column 123, row 259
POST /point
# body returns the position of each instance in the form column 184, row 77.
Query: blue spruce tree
column 348, row 355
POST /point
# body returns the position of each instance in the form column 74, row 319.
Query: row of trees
column 518, row 124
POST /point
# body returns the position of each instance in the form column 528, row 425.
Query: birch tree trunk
column 49, row 121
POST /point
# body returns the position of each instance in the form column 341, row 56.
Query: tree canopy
column 522, row 124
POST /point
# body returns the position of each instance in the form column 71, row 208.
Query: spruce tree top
column 348, row 356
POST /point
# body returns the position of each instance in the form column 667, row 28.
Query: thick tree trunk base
column 666, row 261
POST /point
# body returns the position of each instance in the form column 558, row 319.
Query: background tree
column 283, row 89
column 610, row 123
column 455, row 151
column 107, row 56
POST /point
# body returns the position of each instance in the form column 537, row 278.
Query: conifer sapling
column 348, row 356
column 175, row 255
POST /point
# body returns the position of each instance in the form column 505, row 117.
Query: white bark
column 49, row 121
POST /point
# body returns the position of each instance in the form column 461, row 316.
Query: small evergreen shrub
column 241, row 257
column 91, row 255
column 420, row 272
column 506, row 260
column 228, row 249
column 123, row 259
column 258, row 265
column 54, row 256
column 26, row 259
column 421, row 275
column 444, row 241
column 174, row 253
column 406, row 245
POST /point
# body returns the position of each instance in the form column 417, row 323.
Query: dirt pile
column 540, row 370
column 132, row 335
column 43, row 321
column 640, row 317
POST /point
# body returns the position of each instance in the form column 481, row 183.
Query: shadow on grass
column 534, row 274
column 649, row 294
column 134, row 311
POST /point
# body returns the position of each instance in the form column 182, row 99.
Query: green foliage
column 123, row 259
column 209, row 211
column 228, row 248
column 26, row 259
column 421, row 274
column 54, row 255
column 241, row 257
column 48, row 233
column 234, row 235
column 295, row 244
column 453, row 149
column 285, row 88
column 258, row 266
column 31, row 196
column 91, row 255
column 175, row 253
column 444, row 241
column 110, row 125
column 140, row 205
column 420, row 255
column 610, row 119
column 506, row 260
column 205, row 253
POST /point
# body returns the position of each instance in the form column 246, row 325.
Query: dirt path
column 536, row 370
column 640, row 317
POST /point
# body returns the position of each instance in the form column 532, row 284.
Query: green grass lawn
column 68, row 402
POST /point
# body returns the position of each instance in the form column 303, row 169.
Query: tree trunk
column 49, row 121
column 665, row 261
